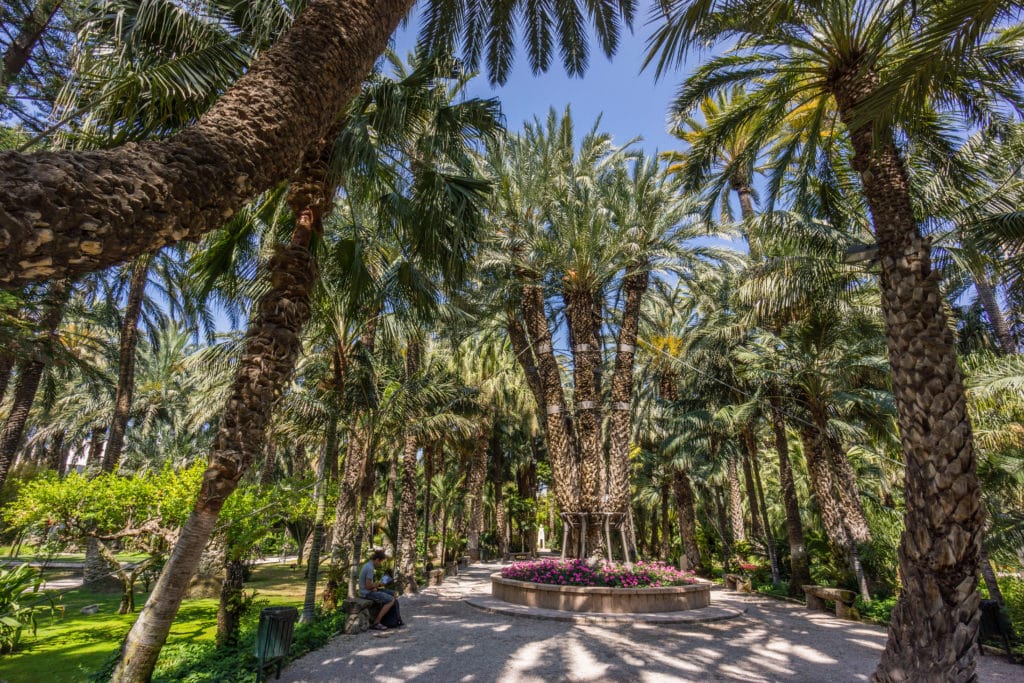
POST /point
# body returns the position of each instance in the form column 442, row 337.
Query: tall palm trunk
column 428, row 478
column 408, row 525
column 666, row 530
column 830, row 505
column 934, row 626
column 586, row 354
column 31, row 373
column 126, row 364
column 735, row 500
column 634, row 286
column 683, row 490
column 475, row 498
column 320, row 496
column 251, row 140
column 759, row 523
column 799, row 567
column 271, row 348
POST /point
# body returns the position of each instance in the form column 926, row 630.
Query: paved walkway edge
column 694, row 616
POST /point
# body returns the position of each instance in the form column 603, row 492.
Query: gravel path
column 446, row 640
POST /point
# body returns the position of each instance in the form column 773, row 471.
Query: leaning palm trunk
column 30, row 375
column 634, row 286
column 126, row 364
column 557, row 425
column 272, row 345
column 20, row 49
column 933, row 632
column 345, row 512
column 251, row 140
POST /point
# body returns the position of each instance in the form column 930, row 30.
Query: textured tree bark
column 20, row 49
column 735, row 500
column 769, row 537
column 475, row 498
column 830, row 506
column 30, row 375
column 408, row 524
column 271, row 347
column 759, row 524
column 126, row 364
column 1000, row 326
column 634, row 286
column 6, row 370
column 934, row 627
column 683, row 491
column 586, row 364
column 428, row 476
column 557, row 424
column 320, row 496
column 800, row 571
column 230, row 609
column 666, row 531
column 66, row 213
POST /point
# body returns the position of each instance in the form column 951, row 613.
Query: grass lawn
column 29, row 553
column 67, row 650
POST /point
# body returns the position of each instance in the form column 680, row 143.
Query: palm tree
column 253, row 137
column 51, row 312
column 883, row 67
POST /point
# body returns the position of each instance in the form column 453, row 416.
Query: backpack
column 393, row 618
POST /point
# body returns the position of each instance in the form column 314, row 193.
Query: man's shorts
column 380, row 597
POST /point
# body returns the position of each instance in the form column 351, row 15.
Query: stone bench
column 735, row 582
column 817, row 595
column 359, row 614
column 451, row 569
column 464, row 561
column 519, row 557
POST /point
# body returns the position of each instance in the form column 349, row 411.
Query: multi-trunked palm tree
column 571, row 227
column 884, row 67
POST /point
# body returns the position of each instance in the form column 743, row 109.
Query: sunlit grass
column 68, row 649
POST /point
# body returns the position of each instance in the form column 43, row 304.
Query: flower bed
column 574, row 586
column 579, row 573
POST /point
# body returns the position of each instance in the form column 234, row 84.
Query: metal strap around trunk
column 554, row 409
column 621, row 405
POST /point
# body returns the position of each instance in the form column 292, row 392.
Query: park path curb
column 693, row 616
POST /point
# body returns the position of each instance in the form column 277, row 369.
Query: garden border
column 602, row 599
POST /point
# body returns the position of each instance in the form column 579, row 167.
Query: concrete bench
column 735, row 582
column 519, row 557
column 359, row 614
column 817, row 595
column 464, row 561
column 451, row 569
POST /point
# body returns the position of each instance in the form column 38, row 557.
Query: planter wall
column 601, row 599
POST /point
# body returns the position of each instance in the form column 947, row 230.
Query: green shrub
column 878, row 610
column 19, row 598
column 205, row 663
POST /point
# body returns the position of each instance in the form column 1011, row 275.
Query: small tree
column 146, row 512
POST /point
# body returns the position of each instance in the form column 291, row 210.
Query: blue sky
column 632, row 103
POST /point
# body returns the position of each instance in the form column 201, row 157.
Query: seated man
column 370, row 589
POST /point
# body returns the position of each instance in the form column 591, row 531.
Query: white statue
column 540, row 537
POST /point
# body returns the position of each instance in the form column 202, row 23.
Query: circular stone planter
column 600, row 598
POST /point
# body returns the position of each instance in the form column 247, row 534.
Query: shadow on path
column 447, row 640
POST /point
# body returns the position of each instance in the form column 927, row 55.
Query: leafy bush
column 579, row 573
column 205, row 663
column 17, row 585
column 878, row 610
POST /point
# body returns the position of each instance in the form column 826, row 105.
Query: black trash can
column 274, row 638
column 995, row 624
